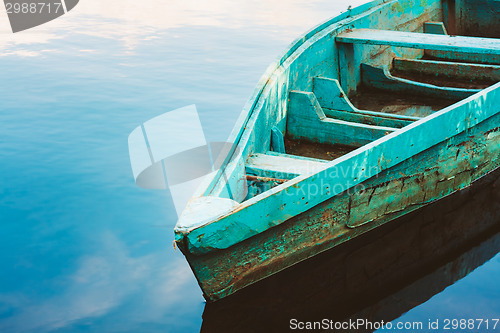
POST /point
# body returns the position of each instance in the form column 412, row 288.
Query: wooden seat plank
column 280, row 166
column 421, row 41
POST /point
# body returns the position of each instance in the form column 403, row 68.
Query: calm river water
column 81, row 247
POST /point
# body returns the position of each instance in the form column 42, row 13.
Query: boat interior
column 375, row 78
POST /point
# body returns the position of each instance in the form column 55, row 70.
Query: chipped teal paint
column 281, row 166
column 453, row 70
column 306, row 120
column 245, row 241
column 330, row 96
column 336, row 105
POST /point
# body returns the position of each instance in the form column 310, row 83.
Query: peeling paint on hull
column 391, row 171
column 391, row 194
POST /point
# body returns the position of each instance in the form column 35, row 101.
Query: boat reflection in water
column 377, row 276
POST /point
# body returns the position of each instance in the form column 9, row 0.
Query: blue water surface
column 81, row 247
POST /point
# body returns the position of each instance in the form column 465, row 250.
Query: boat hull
column 428, row 176
column 385, row 272
column 237, row 240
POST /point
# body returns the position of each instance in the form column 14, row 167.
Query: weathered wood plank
column 381, row 78
column 330, row 95
column 306, row 120
column 368, row 119
column 449, row 69
column 480, row 58
column 349, row 71
column 280, row 166
column 420, row 41
column 273, row 153
column 336, row 105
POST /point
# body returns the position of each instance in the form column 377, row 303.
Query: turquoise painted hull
column 385, row 272
column 276, row 203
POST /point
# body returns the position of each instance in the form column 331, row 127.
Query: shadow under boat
column 376, row 276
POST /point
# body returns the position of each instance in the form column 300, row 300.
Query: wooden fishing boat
column 367, row 117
